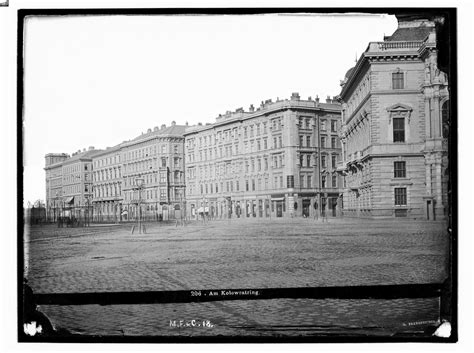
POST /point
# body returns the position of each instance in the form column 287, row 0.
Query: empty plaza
column 239, row 254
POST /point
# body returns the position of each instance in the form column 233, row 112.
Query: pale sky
column 100, row 80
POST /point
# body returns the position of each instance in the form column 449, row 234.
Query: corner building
column 278, row 160
column 156, row 157
column 395, row 114
column 69, row 184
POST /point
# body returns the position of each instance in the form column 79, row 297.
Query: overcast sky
column 97, row 81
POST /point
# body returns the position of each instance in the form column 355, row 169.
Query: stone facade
column 395, row 104
column 157, row 157
column 276, row 161
column 54, row 184
column 107, row 177
column 101, row 185
column 69, row 184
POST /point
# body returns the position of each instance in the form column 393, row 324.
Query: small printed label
column 423, row 322
column 191, row 323
column 225, row 293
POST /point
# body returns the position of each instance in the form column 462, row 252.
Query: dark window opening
column 399, row 169
column 398, row 129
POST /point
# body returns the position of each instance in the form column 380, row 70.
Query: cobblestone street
column 240, row 254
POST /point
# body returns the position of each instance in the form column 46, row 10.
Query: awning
column 70, row 200
column 278, row 199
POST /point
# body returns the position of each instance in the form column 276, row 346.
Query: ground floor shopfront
column 266, row 206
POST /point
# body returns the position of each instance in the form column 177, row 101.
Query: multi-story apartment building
column 107, row 187
column 276, row 161
column 54, row 184
column 395, row 102
column 155, row 158
column 69, row 183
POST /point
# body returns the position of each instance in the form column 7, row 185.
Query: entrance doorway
column 279, row 209
column 333, row 206
column 306, row 204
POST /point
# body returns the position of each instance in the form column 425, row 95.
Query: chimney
column 199, row 124
column 186, row 123
column 148, row 131
column 156, row 128
column 91, row 148
column 309, row 98
column 83, row 150
column 173, row 123
column 316, row 99
column 328, row 99
column 163, row 126
column 252, row 108
column 295, row 96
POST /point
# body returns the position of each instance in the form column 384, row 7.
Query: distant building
column 107, row 185
column 54, row 184
column 157, row 157
column 275, row 161
column 395, row 110
column 69, row 183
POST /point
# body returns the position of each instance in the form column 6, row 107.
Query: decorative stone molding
column 399, row 110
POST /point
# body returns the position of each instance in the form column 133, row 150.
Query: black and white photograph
column 245, row 174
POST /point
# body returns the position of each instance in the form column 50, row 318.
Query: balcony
column 395, row 46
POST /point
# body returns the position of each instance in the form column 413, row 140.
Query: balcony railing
column 394, row 46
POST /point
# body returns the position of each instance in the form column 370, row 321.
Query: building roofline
column 270, row 109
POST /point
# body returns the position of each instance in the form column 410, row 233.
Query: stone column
column 439, row 200
column 428, row 177
column 435, row 116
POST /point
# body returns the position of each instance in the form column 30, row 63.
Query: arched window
column 445, row 118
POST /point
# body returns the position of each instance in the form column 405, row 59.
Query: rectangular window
column 309, row 184
column 398, row 129
column 290, row 181
column 333, row 125
column 334, row 181
column 323, row 181
column 301, row 141
column 301, row 181
column 397, row 80
column 333, row 161
column 323, row 141
column 308, row 160
column 333, row 142
column 399, row 170
column 323, row 124
column 400, row 196
column 308, row 141
column 253, row 184
column 323, row 161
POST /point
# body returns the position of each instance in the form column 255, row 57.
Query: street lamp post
column 139, row 181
